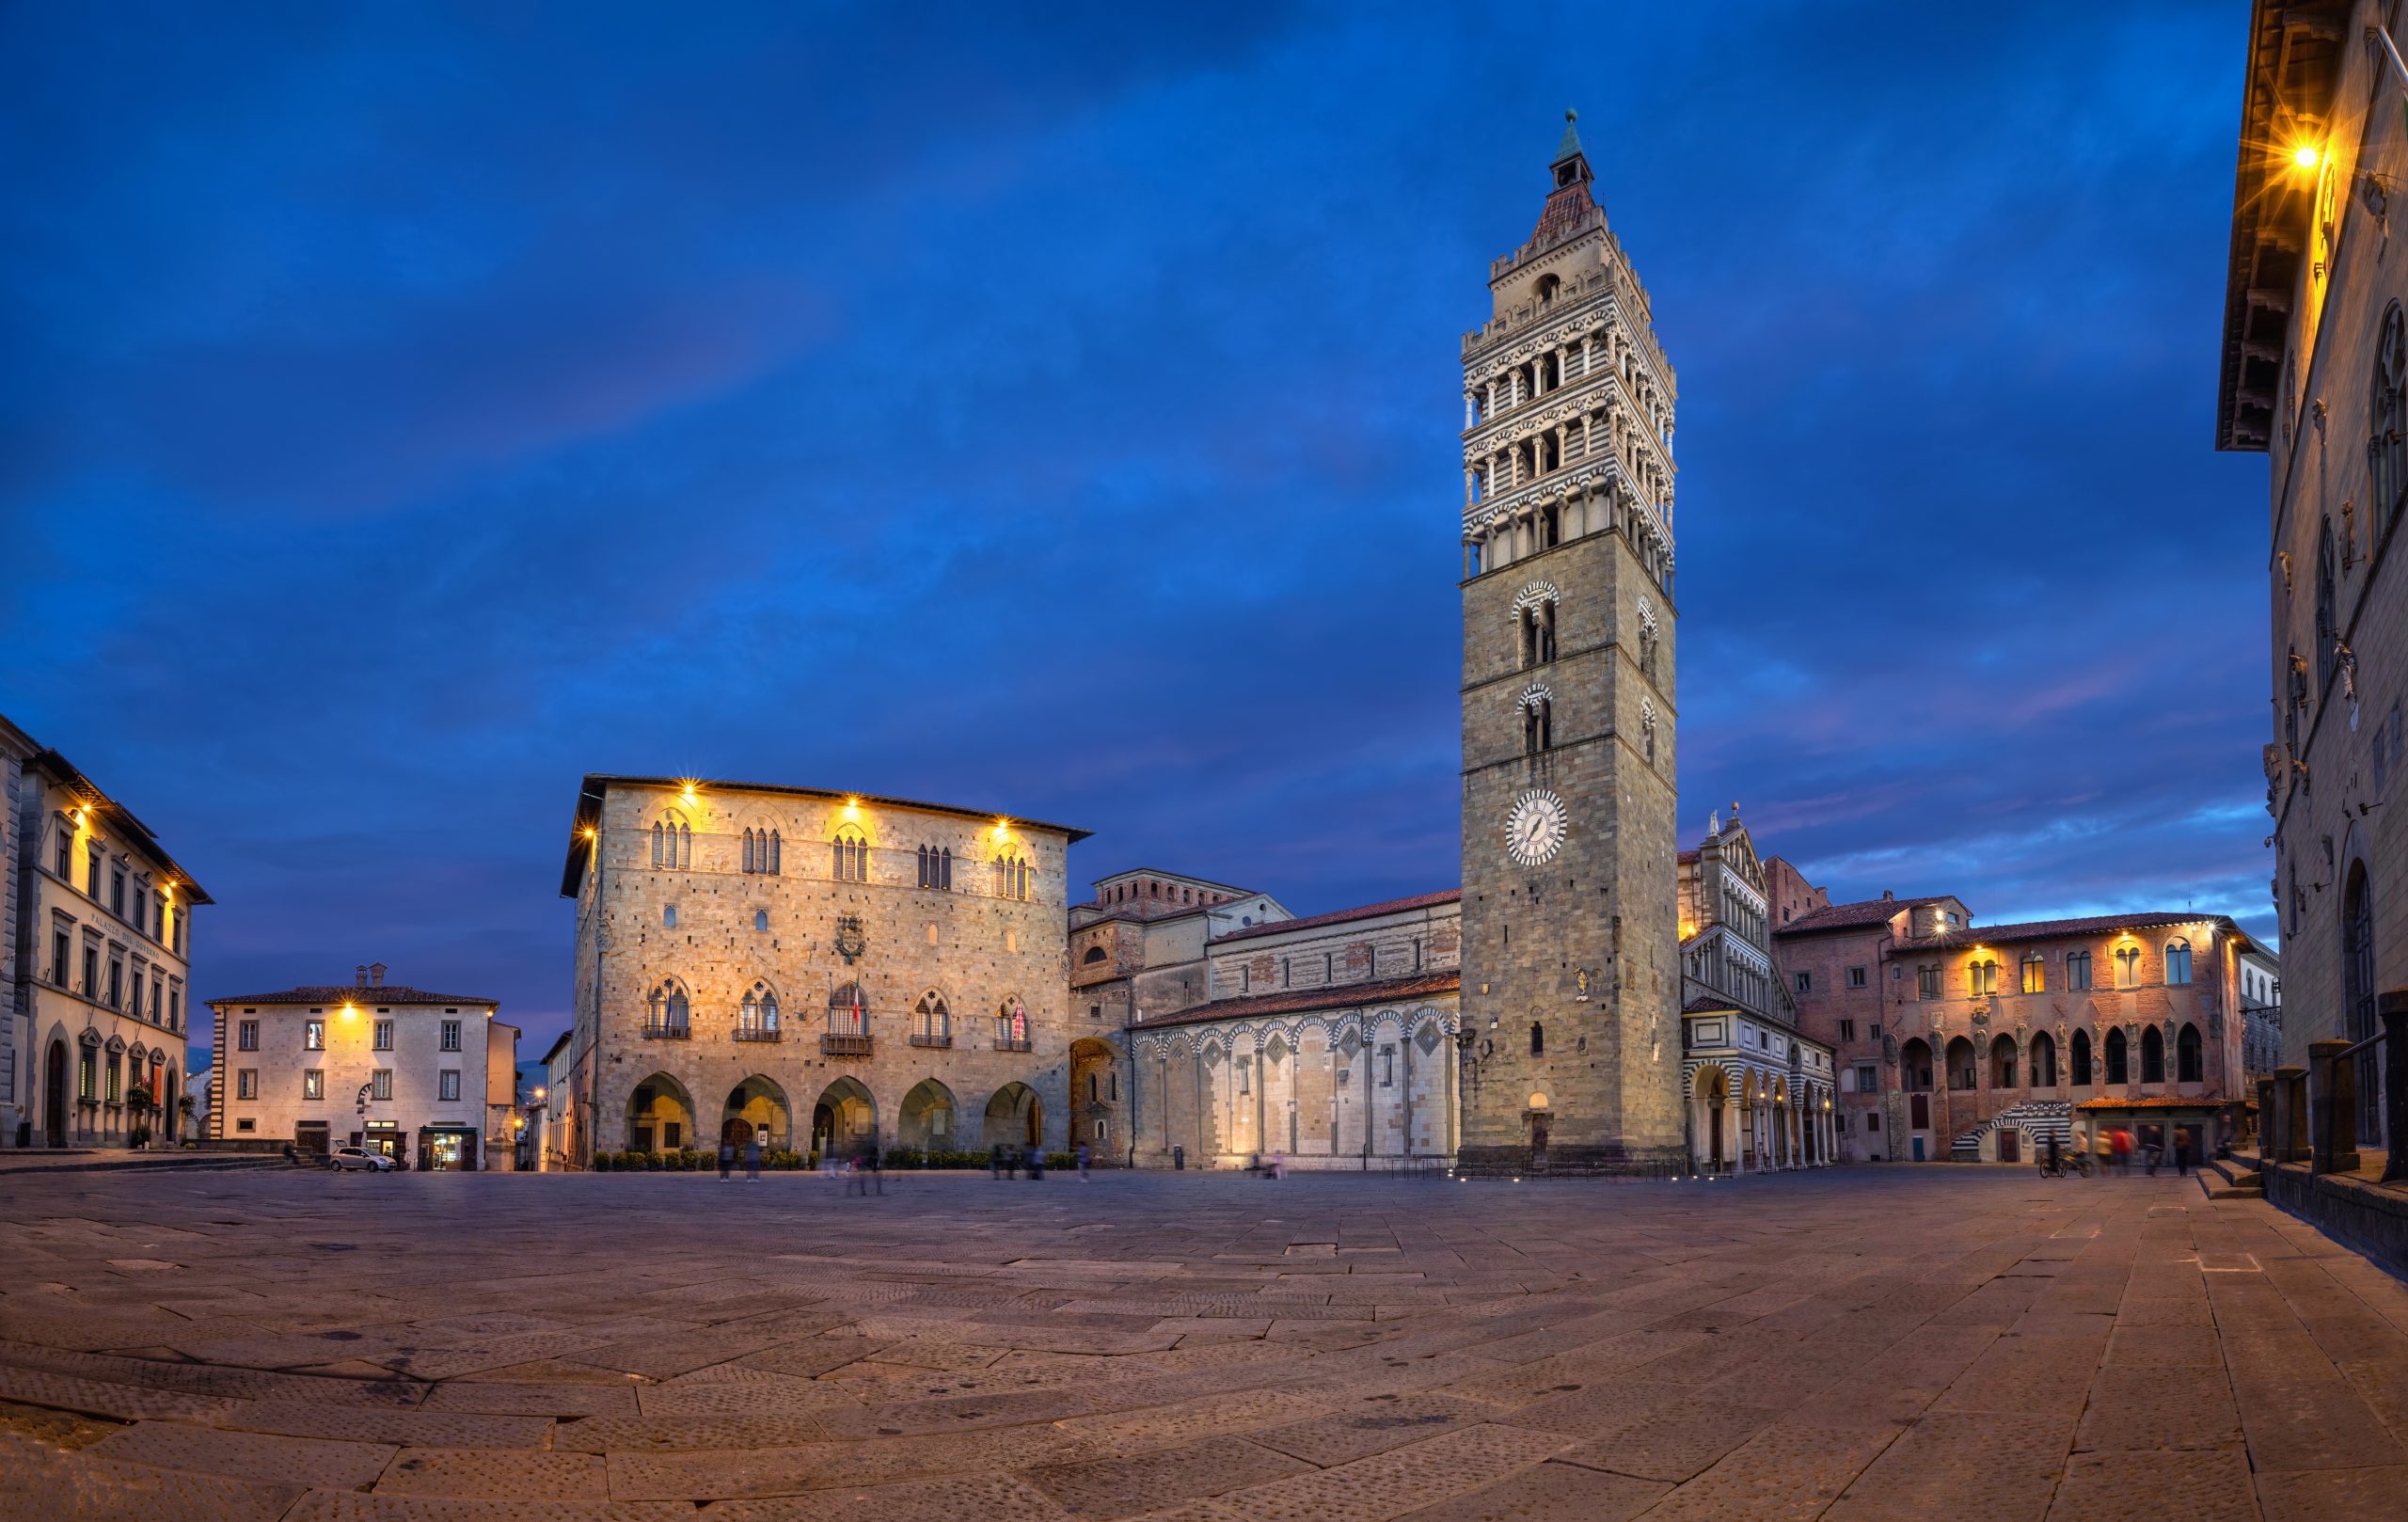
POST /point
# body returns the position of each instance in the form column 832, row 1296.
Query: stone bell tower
column 1571, row 975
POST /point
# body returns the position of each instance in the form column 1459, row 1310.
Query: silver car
column 359, row 1157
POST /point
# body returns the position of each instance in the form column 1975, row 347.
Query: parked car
column 359, row 1157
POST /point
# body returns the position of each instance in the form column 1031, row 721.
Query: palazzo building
column 422, row 1077
column 817, row 969
column 1569, row 894
column 1759, row 1091
column 98, row 928
column 1982, row 1044
column 2315, row 376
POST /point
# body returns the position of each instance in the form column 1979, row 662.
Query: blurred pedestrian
column 2123, row 1146
column 1036, row 1162
column 1279, row 1164
column 753, row 1159
column 1083, row 1163
column 726, row 1157
column 995, row 1162
column 2182, row 1152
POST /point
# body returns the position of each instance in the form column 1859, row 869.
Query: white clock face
column 1534, row 827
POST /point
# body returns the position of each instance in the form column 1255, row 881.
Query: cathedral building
column 1569, row 910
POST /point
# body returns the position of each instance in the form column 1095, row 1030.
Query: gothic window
column 2152, row 1056
column 2081, row 1057
column 761, row 850
column 2387, row 425
column 2188, row 1065
column 1551, row 515
column 666, row 1010
column 849, row 1012
column 1647, row 642
column 851, row 850
column 758, row 1015
column 2178, row 960
column 2127, row 967
column 748, row 851
column 1011, row 1024
column 2035, row 978
column 2077, row 970
column 2119, row 1058
column 931, row 1020
column 673, row 842
column 1011, row 874
column 2328, row 628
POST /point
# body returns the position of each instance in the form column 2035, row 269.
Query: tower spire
column 1570, row 146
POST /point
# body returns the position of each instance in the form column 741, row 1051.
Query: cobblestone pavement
column 1877, row 1343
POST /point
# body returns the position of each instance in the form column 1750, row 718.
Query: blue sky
column 405, row 409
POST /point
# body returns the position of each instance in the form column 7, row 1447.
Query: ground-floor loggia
column 1758, row 1095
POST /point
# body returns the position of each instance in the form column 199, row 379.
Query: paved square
column 1905, row 1342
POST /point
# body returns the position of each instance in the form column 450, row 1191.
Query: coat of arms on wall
column 851, row 942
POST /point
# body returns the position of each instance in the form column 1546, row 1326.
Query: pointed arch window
column 2178, row 960
column 668, row 1009
column 673, row 843
column 936, row 866
column 850, row 851
column 1012, row 1025
column 2152, row 1056
column 757, row 1020
column 931, row 1020
column 2388, row 423
column 2082, row 1057
column 2189, row 1064
column 2119, row 1058
column 849, row 1012
column 1011, row 874
column 761, row 852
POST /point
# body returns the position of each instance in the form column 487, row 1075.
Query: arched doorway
column 925, row 1120
column 1713, row 1098
column 1014, row 1117
column 54, row 1083
column 756, row 1109
column 845, row 1120
column 1095, row 1093
column 660, row 1116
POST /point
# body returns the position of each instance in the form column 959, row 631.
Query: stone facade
column 1569, row 895
column 1982, row 1044
column 2316, row 377
column 1759, row 1092
column 2261, row 1011
column 398, row 1070
column 100, row 924
column 824, row 969
column 1328, row 1041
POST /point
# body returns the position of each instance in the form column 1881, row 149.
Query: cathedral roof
column 1339, row 917
column 1294, row 1001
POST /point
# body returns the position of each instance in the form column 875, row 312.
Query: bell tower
column 1571, row 975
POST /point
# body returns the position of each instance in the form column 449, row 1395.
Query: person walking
column 1036, row 1162
column 1279, row 1164
column 2181, row 1154
column 753, row 1159
column 2123, row 1150
column 876, row 1161
column 2055, row 1168
column 726, row 1157
column 1083, row 1163
column 995, row 1162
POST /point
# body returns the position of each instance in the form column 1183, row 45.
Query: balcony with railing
column 840, row 1044
column 757, row 1031
column 936, row 1037
column 667, row 1030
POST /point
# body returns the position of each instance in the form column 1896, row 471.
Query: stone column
column 2333, row 1107
column 2265, row 1119
column 1731, row 1125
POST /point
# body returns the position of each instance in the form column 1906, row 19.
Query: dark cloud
column 1051, row 409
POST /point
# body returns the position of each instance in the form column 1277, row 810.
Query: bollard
column 2391, row 1005
column 2332, row 1108
column 2290, row 1115
column 1178, row 1158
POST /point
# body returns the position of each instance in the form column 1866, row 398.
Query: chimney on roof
column 376, row 973
column 359, row 978
column 1887, row 895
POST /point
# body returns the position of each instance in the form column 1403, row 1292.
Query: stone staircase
column 2038, row 1120
column 2231, row 1178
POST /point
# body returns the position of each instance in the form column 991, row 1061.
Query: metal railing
column 756, row 1033
column 1005, row 1043
column 665, row 1030
column 833, row 1045
column 940, row 1040
column 2312, row 1113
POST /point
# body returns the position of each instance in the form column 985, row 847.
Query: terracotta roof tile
column 1344, row 996
column 1339, row 916
column 358, row 993
column 1983, row 935
column 1850, row 917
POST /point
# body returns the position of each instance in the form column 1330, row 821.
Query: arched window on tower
column 1538, row 1039
column 931, row 1020
column 673, row 842
column 1535, row 614
column 1538, row 721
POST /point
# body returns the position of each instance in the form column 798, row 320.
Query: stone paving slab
column 1860, row 1344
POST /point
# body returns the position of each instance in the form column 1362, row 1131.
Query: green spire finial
column 1570, row 146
